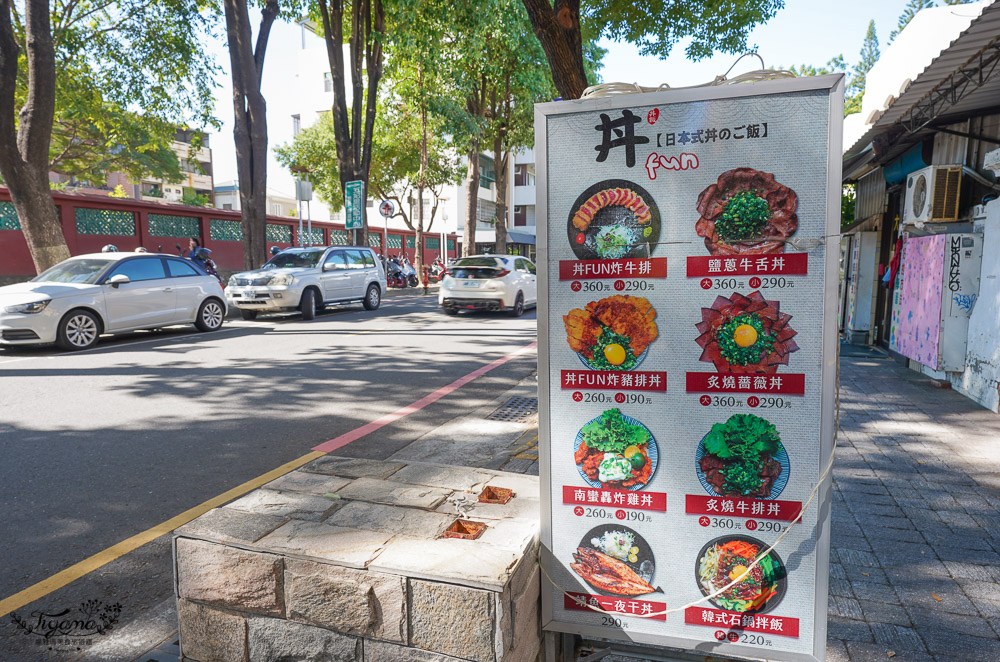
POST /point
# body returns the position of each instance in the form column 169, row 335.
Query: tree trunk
column 353, row 128
column 250, row 125
column 558, row 30
column 421, row 180
column 502, row 160
column 24, row 150
column 471, row 200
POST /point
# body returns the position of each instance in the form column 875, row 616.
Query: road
column 100, row 445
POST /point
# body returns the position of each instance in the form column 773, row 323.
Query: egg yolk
column 615, row 354
column 737, row 572
column 745, row 335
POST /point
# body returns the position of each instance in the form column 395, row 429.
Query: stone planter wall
column 343, row 560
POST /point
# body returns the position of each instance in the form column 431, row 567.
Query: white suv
column 307, row 279
column 489, row 282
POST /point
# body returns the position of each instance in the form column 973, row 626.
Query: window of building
column 226, row 205
column 520, row 216
column 486, row 211
column 487, row 172
column 432, row 243
column 296, row 124
column 395, row 241
column 411, row 241
column 521, row 175
column 328, row 82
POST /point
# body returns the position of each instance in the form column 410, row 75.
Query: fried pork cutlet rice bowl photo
column 613, row 333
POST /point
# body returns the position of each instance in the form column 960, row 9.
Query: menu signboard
column 687, row 360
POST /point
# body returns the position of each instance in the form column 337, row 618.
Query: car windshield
column 295, row 259
column 474, row 267
column 86, row 271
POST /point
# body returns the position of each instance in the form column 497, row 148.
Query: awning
column 962, row 80
column 513, row 237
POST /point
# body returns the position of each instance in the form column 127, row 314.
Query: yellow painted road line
column 77, row 570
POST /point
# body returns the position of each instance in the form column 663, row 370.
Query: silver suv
column 307, row 279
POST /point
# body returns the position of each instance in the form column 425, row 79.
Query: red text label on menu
column 786, row 264
column 708, row 382
column 604, row 379
column 780, row 625
column 617, row 606
column 696, row 504
column 620, row 498
column 654, row 267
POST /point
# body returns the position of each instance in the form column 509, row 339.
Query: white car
column 489, row 282
column 77, row 300
column 308, row 279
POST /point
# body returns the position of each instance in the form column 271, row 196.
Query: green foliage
column 848, row 198
column 911, row 9
column 314, row 150
column 192, row 199
column 856, row 86
column 656, row 26
column 119, row 192
column 128, row 73
column 613, row 434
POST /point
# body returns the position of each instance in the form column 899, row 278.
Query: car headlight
column 281, row 279
column 28, row 308
column 232, row 282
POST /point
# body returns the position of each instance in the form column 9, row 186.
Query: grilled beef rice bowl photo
column 746, row 212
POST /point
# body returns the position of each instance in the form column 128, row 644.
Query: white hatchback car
column 489, row 282
column 77, row 300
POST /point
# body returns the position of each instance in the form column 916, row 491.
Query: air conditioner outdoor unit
column 932, row 194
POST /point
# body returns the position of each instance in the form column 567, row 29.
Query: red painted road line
column 381, row 422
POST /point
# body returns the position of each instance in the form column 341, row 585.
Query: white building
column 227, row 196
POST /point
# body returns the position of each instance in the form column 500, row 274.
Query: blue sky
column 804, row 32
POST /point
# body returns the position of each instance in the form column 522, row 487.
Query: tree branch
column 267, row 16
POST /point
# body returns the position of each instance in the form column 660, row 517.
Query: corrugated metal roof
column 982, row 33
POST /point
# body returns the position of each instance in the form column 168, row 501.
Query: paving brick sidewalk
column 916, row 521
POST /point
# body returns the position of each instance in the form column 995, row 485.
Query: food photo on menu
column 614, row 451
column 614, row 219
column 612, row 333
column 615, row 560
column 747, row 212
column 728, row 560
column 746, row 334
column 743, row 457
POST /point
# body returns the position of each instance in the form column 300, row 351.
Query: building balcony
column 524, row 195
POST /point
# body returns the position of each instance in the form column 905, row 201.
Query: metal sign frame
column 834, row 85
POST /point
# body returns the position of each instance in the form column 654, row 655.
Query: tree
column 562, row 27
column 76, row 70
column 353, row 124
column 250, row 121
column 24, row 144
column 869, row 56
column 314, row 150
column 524, row 81
column 911, row 9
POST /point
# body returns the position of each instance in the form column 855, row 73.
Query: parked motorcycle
column 394, row 274
column 437, row 271
column 410, row 274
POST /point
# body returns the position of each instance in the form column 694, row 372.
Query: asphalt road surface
column 98, row 446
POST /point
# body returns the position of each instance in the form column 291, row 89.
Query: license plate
column 470, row 283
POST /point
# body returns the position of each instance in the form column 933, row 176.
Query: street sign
column 687, row 365
column 387, row 208
column 354, row 203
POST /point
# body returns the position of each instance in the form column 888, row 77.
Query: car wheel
column 372, row 298
column 449, row 311
column 248, row 315
column 308, row 305
column 518, row 308
column 210, row 316
column 79, row 329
